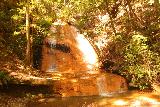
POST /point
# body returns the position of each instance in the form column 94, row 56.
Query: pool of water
column 129, row 99
column 40, row 97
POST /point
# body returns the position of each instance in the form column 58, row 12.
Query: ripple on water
column 130, row 99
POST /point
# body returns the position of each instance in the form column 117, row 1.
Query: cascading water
column 89, row 54
column 101, row 84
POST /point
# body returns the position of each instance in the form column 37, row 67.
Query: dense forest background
column 125, row 32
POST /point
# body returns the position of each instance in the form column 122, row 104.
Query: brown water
column 129, row 99
column 40, row 97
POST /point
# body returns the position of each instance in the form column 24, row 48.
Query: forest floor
column 11, row 67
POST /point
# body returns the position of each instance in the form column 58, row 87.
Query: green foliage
column 135, row 57
column 4, row 78
column 130, row 28
column 134, row 48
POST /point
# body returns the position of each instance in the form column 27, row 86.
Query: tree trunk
column 111, row 18
column 28, row 52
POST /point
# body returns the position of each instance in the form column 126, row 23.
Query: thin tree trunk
column 28, row 53
column 133, row 15
column 64, row 2
column 112, row 25
column 111, row 18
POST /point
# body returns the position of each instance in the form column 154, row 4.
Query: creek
column 40, row 96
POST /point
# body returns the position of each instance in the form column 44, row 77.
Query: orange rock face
column 68, row 51
column 72, row 63
column 102, row 84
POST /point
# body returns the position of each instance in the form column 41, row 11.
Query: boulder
column 89, row 85
column 66, row 50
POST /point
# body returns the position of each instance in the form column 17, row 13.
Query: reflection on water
column 36, row 96
column 130, row 99
column 17, row 98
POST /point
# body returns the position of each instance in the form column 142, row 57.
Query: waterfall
column 66, row 50
column 68, row 53
column 101, row 84
column 86, row 48
column 89, row 54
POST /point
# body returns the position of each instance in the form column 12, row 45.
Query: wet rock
column 73, row 65
column 101, row 84
column 68, row 51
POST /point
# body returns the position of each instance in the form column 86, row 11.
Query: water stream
column 130, row 99
column 31, row 97
column 101, row 84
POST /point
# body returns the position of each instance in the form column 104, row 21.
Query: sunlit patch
column 104, row 18
column 138, row 5
column 84, row 77
column 56, row 78
column 136, row 103
column 59, row 22
column 121, row 12
column 143, row 100
column 57, row 74
column 149, row 100
column 120, row 102
column 88, row 51
column 105, row 94
column 74, row 80
column 102, row 41
column 89, row 66
column 150, row 1
column 62, row 78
